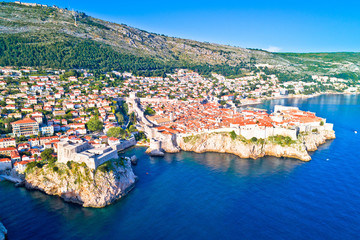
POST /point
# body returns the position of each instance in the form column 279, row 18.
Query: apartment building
column 25, row 127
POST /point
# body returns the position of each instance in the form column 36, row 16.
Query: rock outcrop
column 77, row 183
column 155, row 152
column 281, row 147
column 313, row 140
column 133, row 160
column 3, row 232
column 169, row 144
column 166, row 143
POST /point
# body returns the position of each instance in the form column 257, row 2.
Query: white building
column 47, row 130
column 83, row 152
column 7, row 142
column 5, row 163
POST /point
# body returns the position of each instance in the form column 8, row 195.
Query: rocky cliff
column 77, row 183
column 313, row 140
column 277, row 146
column 3, row 232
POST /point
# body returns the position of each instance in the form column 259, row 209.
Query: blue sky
column 286, row 26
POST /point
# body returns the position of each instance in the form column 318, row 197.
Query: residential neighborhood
column 41, row 108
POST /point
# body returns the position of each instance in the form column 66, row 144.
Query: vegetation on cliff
column 77, row 183
column 278, row 139
column 279, row 146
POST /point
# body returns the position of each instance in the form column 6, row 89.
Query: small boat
column 355, row 132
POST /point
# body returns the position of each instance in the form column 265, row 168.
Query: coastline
column 3, row 231
column 222, row 142
column 80, row 185
column 11, row 179
column 172, row 143
column 261, row 100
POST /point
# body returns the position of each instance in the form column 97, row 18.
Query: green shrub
column 39, row 164
column 30, row 166
column 149, row 111
column 69, row 164
column 187, row 139
column 233, row 135
column 106, row 167
column 282, row 140
column 191, row 138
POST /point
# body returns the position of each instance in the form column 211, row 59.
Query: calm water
column 213, row 196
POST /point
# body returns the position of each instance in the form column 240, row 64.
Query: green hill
column 50, row 37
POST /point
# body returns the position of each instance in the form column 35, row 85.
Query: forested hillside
column 44, row 36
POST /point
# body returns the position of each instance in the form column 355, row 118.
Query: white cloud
column 273, row 49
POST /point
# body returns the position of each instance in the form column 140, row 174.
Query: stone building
column 83, row 152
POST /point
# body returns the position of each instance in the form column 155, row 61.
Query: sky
column 279, row 26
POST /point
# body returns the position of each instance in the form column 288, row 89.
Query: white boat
column 355, row 132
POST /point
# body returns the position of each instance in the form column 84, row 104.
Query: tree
column 149, row 111
column 47, row 155
column 120, row 118
column 125, row 108
column 95, row 124
column 133, row 118
column 115, row 132
column 132, row 128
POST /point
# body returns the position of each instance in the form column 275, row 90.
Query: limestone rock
column 133, row 160
column 169, row 145
column 223, row 143
column 81, row 185
column 313, row 140
column 155, row 153
column 3, row 232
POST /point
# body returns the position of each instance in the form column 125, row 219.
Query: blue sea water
column 217, row 196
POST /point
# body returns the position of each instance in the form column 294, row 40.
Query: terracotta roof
column 113, row 139
column 6, row 139
column 25, row 120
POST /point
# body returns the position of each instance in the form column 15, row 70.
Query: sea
column 217, row 196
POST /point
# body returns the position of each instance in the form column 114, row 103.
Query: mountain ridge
column 60, row 27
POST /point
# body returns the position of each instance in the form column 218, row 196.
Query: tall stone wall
column 67, row 151
column 253, row 131
column 292, row 133
column 5, row 165
column 126, row 144
column 81, row 158
column 77, row 153
column 105, row 157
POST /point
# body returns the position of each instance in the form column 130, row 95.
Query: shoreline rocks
column 80, row 185
column 134, row 160
column 223, row 143
column 155, row 152
column 3, row 232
